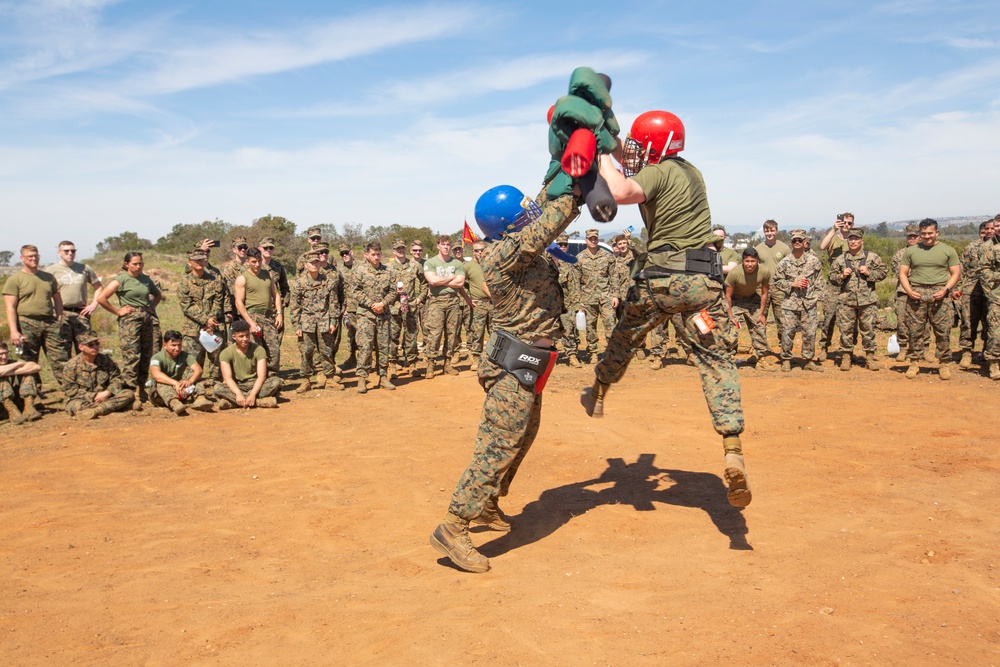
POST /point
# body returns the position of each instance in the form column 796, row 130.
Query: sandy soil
column 298, row 536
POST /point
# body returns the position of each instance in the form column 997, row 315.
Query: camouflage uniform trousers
column 209, row 362
column 603, row 310
column 373, row 340
column 481, row 319
column 463, row 323
column 10, row 387
column 805, row 320
column 831, row 303
column 745, row 312
column 348, row 323
column 774, row 301
column 569, row 342
column 136, row 333
column 441, row 322
column 938, row 315
column 164, row 393
column 406, row 325
column 660, row 337
column 74, row 326
column 862, row 318
column 973, row 310
column 685, row 295
column 507, row 428
column 270, row 338
column 991, row 349
column 320, row 344
column 43, row 334
column 115, row 403
column 271, row 387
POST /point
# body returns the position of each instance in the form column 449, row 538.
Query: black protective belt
column 530, row 365
column 700, row 261
column 74, row 309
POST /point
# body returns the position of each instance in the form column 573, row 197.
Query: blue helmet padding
column 504, row 209
column 561, row 254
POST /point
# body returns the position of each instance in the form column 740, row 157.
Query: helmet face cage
column 530, row 211
column 634, row 157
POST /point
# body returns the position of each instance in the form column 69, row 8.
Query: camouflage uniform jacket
column 788, row 271
column 989, row 271
column 523, row 280
column 230, row 272
column 372, row 285
column 349, row 276
column 314, row 303
column 406, row 272
column 280, row 278
column 970, row 264
column 858, row 290
column 82, row 380
column 597, row 276
column 623, row 269
column 896, row 259
column 569, row 280
column 201, row 299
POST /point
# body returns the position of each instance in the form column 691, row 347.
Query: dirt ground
column 298, row 536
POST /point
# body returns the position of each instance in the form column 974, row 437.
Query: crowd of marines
column 386, row 313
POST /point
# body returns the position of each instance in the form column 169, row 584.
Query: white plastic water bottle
column 581, row 320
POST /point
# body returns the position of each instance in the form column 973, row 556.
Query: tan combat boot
column 449, row 368
column 786, row 365
column 335, row 383
column 202, row 404
column 574, row 361
column 13, row 414
column 994, row 371
column 267, row 402
column 738, row 493
column 30, row 413
column 821, row 357
column 592, row 399
column 177, row 407
column 872, row 363
column 814, row 366
column 304, row 387
column 385, row 383
column 137, row 402
column 429, row 373
column 492, row 517
column 944, row 371
column 320, row 382
column 912, row 371
column 902, row 354
column 88, row 414
column 451, row 538
column 966, row 361
column 474, row 365
column 845, row 361
column 362, row 384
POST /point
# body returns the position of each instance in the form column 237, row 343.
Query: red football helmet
column 654, row 136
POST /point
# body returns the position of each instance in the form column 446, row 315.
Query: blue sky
column 136, row 116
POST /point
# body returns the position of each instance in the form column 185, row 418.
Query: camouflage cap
column 197, row 254
column 266, row 241
column 562, row 238
column 398, row 243
column 344, row 247
column 312, row 256
column 592, row 232
column 799, row 234
column 323, row 245
column 913, row 230
column 314, row 231
column 88, row 338
column 856, row 232
column 239, row 240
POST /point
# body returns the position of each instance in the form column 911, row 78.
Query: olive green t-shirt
column 474, row 279
column 135, row 292
column 258, row 290
column 244, row 365
column 771, row 255
column 453, row 267
column 676, row 208
column 172, row 368
column 837, row 247
column 929, row 264
column 729, row 256
column 34, row 292
column 744, row 285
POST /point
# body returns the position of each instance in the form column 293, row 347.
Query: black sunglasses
column 242, row 247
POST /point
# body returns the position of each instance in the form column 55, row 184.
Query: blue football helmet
column 505, row 209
